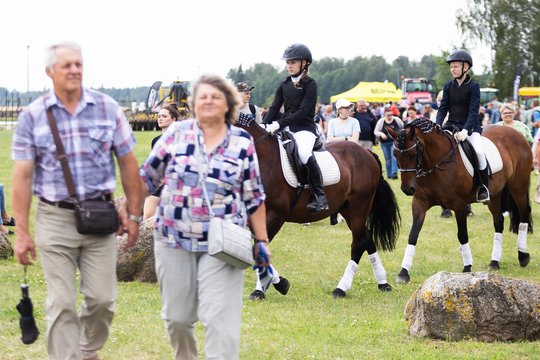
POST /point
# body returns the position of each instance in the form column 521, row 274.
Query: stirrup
column 485, row 200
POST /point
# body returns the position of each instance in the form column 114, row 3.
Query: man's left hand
column 462, row 135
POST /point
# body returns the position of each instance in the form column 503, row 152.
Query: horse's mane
column 424, row 125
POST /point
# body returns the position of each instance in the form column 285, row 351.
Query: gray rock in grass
column 479, row 305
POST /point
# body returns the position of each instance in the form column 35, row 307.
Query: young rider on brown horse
column 298, row 96
column 461, row 100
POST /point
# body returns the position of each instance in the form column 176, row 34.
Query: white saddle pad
column 492, row 155
column 327, row 163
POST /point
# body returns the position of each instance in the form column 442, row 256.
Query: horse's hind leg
column 365, row 243
column 519, row 191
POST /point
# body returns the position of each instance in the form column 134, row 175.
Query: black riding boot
column 319, row 201
column 482, row 194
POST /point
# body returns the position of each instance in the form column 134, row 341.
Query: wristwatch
column 137, row 219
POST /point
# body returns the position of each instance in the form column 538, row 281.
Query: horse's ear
column 391, row 132
column 410, row 133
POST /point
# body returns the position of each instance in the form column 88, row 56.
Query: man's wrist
column 261, row 240
column 137, row 219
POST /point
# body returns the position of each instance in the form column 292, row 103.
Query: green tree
column 512, row 30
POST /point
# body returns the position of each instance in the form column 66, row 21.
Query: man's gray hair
column 50, row 52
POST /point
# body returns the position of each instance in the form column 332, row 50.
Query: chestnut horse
column 361, row 196
column 433, row 172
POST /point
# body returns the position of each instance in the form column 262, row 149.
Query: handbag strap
column 61, row 155
column 202, row 163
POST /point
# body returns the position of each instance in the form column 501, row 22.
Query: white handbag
column 230, row 243
column 226, row 240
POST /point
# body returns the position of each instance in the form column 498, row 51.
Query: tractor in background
column 144, row 115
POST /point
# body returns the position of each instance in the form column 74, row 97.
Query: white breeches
column 305, row 141
column 478, row 145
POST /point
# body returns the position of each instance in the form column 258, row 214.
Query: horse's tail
column 384, row 219
column 509, row 204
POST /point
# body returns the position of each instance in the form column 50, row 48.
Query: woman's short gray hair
column 234, row 101
column 50, row 52
column 507, row 106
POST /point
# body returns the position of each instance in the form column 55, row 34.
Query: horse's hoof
column 446, row 213
column 524, row 258
column 338, row 293
column 494, row 266
column 257, row 295
column 467, row 268
column 385, row 287
column 282, row 286
column 403, row 277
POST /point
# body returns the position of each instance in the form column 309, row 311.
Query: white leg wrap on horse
column 496, row 254
column 258, row 285
column 346, row 281
column 275, row 279
column 408, row 257
column 465, row 251
column 378, row 268
column 522, row 237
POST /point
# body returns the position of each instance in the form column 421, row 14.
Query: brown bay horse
column 361, row 196
column 433, row 172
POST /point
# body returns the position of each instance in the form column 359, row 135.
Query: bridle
column 246, row 121
column 418, row 169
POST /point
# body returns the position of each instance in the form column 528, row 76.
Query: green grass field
column 307, row 323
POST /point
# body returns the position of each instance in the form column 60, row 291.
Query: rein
column 418, row 170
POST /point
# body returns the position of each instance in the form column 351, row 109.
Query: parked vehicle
column 420, row 89
column 487, row 95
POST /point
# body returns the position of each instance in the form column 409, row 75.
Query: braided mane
column 424, row 125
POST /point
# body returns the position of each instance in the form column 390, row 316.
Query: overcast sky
column 134, row 43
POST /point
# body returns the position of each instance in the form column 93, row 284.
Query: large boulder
column 137, row 263
column 6, row 251
column 482, row 306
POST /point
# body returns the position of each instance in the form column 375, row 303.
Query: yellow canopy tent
column 371, row 92
column 529, row 91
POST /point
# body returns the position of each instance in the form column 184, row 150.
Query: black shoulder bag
column 96, row 216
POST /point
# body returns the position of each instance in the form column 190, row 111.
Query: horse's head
column 405, row 151
column 409, row 145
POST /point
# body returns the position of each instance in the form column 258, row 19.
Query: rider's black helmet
column 460, row 55
column 297, row 52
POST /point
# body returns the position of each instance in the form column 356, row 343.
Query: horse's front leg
column 419, row 209
column 498, row 225
column 463, row 237
column 281, row 284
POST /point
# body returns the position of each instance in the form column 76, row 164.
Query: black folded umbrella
column 27, row 322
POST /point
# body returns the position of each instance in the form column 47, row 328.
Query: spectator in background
column 367, row 123
column 343, row 127
column 387, row 143
column 429, row 113
column 247, row 109
column 507, row 115
column 5, row 219
column 166, row 116
column 412, row 114
column 495, row 113
column 320, row 121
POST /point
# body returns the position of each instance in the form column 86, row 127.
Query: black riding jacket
column 462, row 103
column 299, row 105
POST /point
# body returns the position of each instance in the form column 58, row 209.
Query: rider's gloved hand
column 272, row 127
column 462, row 135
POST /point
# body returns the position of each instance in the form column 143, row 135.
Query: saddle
column 295, row 172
